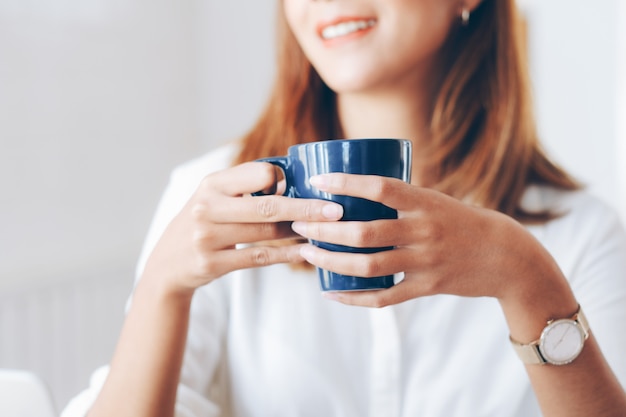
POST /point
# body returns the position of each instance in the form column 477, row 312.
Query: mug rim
column 328, row 141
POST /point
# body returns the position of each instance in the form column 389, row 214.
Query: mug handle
column 284, row 163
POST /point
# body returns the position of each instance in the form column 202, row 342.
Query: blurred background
column 100, row 99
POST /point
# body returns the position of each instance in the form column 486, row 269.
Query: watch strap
column 531, row 354
column 582, row 320
column 528, row 353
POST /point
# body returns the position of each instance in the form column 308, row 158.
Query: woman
column 494, row 241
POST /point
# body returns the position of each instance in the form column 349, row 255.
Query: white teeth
column 345, row 28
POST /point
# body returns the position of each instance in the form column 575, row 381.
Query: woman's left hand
column 447, row 247
column 442, row 245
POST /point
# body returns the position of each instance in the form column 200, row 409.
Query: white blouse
column 265, row 343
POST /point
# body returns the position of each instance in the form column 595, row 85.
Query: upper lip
column 342, row 19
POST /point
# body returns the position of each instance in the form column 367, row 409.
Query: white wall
column 236, row 62
column 96, row 103
column 577, row 51
column 620, row 108
column 99, row 99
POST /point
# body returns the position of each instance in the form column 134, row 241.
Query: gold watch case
column 561, row 341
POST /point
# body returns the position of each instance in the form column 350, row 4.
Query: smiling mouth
column 345, row 28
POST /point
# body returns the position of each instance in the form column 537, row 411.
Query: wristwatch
column 561, row 341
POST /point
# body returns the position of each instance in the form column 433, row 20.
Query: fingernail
column 298, row 227
column 330, row 296
column 332, row 211
column 307, row 252
column 319, row 181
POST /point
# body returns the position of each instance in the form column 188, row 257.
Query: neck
column 401, row 115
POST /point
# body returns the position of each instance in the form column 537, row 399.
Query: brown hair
column 484, row 144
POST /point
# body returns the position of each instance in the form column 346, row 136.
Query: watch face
column 561, row 341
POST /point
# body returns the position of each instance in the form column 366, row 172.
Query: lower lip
column 347, row 38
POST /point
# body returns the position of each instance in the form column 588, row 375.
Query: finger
column 248, row 257
column 226, row 235
column 389, row 191
column 380, row 298
column 265, row 209
column 243, row 179
column 281, row 187
column 365, row 265
column 371, row 234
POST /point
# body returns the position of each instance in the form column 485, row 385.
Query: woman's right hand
column 198, row 246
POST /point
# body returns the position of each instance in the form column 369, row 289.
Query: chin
column 349, row 82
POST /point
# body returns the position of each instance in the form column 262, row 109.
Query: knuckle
column 308, row 212
column 266, row 207
column 370, row 266
column 430, row 231
column 260, row 256
column 205, row 267
column 201, row 239
column 206, row 183
column 198, row 241
column 199, row 211
column 364, row 234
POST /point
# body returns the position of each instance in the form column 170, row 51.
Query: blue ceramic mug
column 384, row 157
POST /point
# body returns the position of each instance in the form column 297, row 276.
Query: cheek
column 300, row 21
column 424, row 22
column 423, row 40
column 295, row 14
column 422, row 36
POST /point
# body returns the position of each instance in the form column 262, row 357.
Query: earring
column 465, row 16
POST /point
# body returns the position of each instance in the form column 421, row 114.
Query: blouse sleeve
column 604, row 293
column 592, row 244
column 199, row 391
